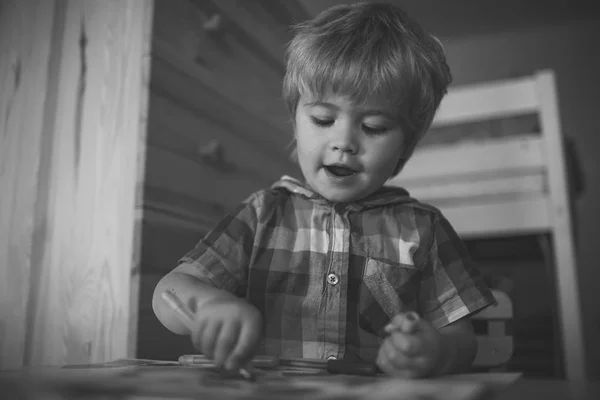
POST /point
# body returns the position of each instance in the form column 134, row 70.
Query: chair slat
column 481, row 158
column 488, row 100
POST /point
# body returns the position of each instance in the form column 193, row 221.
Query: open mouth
column 339, row 171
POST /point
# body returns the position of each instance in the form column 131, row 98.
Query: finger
column 225, row 344
column 400, row 364
column 411, row 322
column 411, row 356
column 383, row 364
column 396, row 357
column 407, row 322
column 209, row 338
column 407, row 344
column 395, row 367
column 247, row 340
column 386, row 365
column 196, row 333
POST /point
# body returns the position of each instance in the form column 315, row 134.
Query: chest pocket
column 386, row 290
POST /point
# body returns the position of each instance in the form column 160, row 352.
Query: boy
column 329, row 267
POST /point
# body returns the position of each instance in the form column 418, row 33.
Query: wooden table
column 533, row 389
column 147, row 379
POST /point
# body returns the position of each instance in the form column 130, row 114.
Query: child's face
column 346, row 151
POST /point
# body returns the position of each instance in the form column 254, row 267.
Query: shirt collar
column 387, row 195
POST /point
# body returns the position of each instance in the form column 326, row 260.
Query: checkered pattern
column 327, row 278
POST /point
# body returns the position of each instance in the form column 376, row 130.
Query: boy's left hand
column 412, row 349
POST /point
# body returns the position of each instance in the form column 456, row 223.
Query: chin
column 336, row 197
column 340, row 199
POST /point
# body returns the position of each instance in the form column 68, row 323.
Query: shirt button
column 331, row 358
column 332, row 279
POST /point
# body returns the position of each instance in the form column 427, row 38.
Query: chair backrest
column 496, row 345
column 507, row 181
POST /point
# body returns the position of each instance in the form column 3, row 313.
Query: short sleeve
column 223, row 255
column 452, row 286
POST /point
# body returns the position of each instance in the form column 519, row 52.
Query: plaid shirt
column 328, row 277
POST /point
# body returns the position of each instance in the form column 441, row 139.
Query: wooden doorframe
column 73, row 103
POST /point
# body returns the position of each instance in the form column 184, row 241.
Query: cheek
column 306, row 141
column 385, row 157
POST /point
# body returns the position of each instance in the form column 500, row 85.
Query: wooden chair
column 495, row 346
column 507, row 185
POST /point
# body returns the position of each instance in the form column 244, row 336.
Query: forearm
column 192, row 290
column 458, row 348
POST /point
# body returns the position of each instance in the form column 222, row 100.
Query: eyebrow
column 322, row 104
column 374, row 111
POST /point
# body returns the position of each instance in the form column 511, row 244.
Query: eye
column 323, row 122
column 374, row 130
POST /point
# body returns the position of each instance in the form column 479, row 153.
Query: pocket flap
column 391, row 285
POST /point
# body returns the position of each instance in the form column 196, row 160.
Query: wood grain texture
column 228, row 64
column 189, row 211
column 181, row 131
column 185, row 176
column 146, row 53
column 25, row 45
column 261, row 32
column 207, row 96
column 72, row 135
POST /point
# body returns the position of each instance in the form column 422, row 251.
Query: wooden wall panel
column 163, row 244
column 198, row 96
column 256, row 22
column 205, row 40
column 25, row 44
column 224, row 64
column 186, row 132
column 147, row 29
column 74, row 128
column 169, row 171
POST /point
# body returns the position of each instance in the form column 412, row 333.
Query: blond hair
column 369, row 49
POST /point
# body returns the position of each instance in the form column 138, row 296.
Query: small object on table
column 271, row 362
column 179, row 307
column 266, row 362
column 188, row 319
column 333, row 366
column 247, row 375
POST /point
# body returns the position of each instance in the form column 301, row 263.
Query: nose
column 344, row 140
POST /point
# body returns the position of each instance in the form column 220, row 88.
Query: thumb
column 407, row 322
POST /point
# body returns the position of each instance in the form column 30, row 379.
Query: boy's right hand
column 227, row 330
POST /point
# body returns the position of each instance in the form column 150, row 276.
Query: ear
column 292, row 145
column 293, row 149
column 294, row 156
